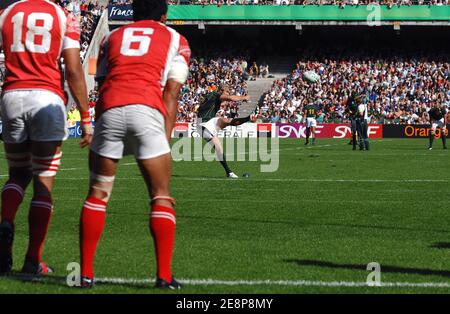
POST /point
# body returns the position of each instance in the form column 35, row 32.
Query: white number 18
column 33, row 30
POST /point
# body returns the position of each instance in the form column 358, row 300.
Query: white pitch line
column 269, row 282
column 280, row 180
column 274, row 179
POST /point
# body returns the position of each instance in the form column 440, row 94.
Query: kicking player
column 438, row 119
column 310, row 114
column 142, row 67
column 208, row 125
column 35, row 34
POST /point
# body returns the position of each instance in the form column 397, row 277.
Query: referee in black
column 438, row 119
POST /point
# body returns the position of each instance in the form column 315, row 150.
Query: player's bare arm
column 170, row 97
column 77, row 86
column 228, row 97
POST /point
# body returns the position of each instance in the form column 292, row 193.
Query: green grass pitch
column 323, row 216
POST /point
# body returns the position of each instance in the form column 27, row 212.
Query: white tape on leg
column 103, row 184
column 46, row 166
column 18, row 160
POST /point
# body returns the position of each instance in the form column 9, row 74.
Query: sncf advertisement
column 298, row 130
column 330, row 130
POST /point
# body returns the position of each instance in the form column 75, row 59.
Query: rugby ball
column 311, row 76
column 361, row 108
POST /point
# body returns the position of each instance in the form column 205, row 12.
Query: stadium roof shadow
column 384, row 268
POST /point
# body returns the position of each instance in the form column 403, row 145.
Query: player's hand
column 247, row 98
column 86, row 134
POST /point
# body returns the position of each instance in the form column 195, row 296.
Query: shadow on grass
column 384, row 268
column 61, row 281
column 440, row 245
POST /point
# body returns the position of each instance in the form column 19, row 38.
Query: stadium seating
column 394, row 86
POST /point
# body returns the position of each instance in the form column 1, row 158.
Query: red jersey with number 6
column 134, row 64
column 33, row 33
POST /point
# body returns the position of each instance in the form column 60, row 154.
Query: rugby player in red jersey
column 141, row 69
column 34, row 35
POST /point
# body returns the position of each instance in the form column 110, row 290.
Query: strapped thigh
column 46, row 166
column 103, row 184
column 19, row 160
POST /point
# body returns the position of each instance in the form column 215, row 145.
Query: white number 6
column 129, row 37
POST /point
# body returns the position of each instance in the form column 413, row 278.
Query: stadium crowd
column 88, row 13
column 398, row 90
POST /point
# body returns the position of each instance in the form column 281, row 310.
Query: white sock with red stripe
column 12, row 197
column 92, row 223
column 162, row 227
column 41, row 209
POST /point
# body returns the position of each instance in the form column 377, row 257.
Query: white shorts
column 134, row 129
column 438, row 124
column 211, row 126
column 36, row 115
column 311, row 122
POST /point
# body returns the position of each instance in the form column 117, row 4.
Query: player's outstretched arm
column 78, row 89
column 226, row 97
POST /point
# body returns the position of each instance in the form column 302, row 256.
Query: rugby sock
column 431, row 139
column 224, row 164
column 41, row 209
column 12, row 197
column 239, row 121
column 308, row 131
column 444, row 139
column 162, row 228
column 92, row 223
column 223, row 161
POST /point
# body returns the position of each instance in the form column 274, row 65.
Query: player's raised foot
column 172, row 285
column 86, row 282
column 32, row 268
column 6, row 241
column 232, row 175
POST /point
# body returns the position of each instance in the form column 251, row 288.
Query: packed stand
column 398, row 90
column 206, row 75
column 88, row 13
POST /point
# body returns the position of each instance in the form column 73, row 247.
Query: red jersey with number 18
column 134, row 64
column 33, row 33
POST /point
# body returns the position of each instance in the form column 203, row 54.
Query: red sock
column 38, row 220
column 92, row 223
column 12, row 197
column 162, row 227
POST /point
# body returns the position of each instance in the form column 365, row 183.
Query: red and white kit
column 135, row 63
column 33, row 34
